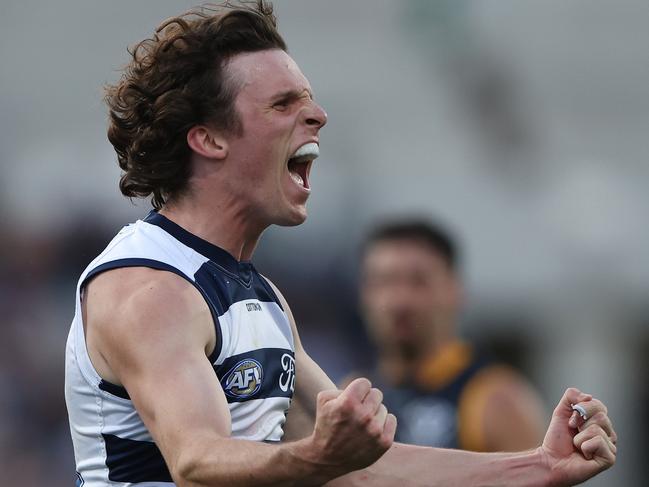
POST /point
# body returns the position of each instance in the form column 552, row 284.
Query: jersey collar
column 216, row 254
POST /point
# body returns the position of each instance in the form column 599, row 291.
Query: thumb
column 358, row 389
column 571, row 396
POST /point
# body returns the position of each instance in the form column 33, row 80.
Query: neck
column 221, row 222
column 398, row 363
column 441, row 339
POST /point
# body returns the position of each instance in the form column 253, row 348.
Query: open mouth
column 299, row 165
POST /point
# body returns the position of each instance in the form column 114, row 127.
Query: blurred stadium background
column 524, row 125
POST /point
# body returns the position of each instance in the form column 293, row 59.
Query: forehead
column 265, row 73
column 403, row 255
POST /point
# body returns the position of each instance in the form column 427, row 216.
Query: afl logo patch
column 243, row 380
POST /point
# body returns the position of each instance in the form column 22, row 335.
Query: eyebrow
column 291, row 94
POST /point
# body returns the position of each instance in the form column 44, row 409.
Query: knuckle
column 385, row 442
column 595, row 430
column 595, row 443
column 598, row 440
column 599, row 406
column 364, row 382
column 374, row 430
column 365, row 418
column 377, row 394
column 347, row 405
column 599, row 417
column 321, row 398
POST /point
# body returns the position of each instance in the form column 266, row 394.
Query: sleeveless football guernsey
column 253, row 359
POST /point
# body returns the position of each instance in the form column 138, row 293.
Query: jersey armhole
column 162, row 266
column 271, row 291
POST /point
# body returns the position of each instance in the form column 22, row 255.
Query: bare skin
column 130, row 342
column 329, row 433
column 151, row 332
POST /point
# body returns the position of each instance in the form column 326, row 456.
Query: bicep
column 155, row 343
column 178, row 400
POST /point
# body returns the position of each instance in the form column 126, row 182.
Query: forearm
column 413, row 466
column 239, row 463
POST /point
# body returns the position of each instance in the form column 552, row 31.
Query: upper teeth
column 307, row 152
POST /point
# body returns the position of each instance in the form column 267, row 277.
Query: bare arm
column 555, row 463
column 414, row 466
column 151, row 332
column 565, row 458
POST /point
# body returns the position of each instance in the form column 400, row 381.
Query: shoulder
column 141, row 290
column 136, row 302
column 498, row 383
column 494, row 398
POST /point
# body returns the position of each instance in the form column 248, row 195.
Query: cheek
column 378, row 327
column 424, row 300
column 374, row 300
column 265, row 172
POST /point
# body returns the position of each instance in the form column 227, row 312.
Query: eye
column 281, row 105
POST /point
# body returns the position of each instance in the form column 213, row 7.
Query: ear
column 207, row 142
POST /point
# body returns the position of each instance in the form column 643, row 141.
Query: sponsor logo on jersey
column 287, row 378
column 244, row 379
column 253, row 306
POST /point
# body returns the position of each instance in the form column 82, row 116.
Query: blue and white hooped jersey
column 253, row 359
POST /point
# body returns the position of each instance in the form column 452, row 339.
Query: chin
column 294, row 219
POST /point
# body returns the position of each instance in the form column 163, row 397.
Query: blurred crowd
column 38, row 274
column 37, row 281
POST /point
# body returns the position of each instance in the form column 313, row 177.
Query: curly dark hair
column 175, row 81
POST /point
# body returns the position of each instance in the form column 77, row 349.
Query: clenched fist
column 575, row 448
column 352, row 427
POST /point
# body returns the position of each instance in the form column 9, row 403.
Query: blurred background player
column 442, row 390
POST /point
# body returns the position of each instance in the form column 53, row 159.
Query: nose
column 316, row 116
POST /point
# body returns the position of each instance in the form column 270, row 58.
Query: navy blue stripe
column 132, row 262
column 216, row 254
column 257, row 374
column 224, row 291
column 114, row 389
column 214, row 306
column 134, row 461
column 237, row 281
